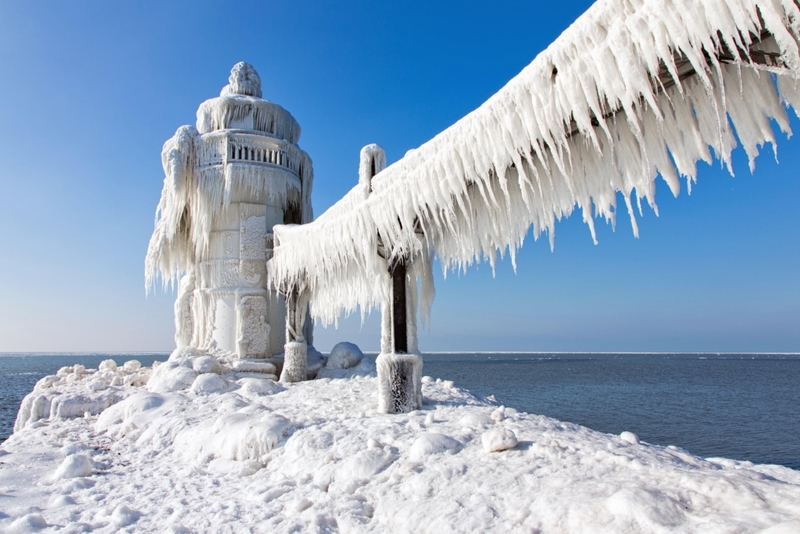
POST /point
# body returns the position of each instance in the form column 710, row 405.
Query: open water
column 741, row 406
column 20, row 372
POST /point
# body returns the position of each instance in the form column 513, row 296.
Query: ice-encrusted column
column 296, row 348
column 400, row 371
column 399, row 364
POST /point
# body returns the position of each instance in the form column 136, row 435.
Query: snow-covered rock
column 630, row 437
column 258, row 386
column 433, row 443
column 209, row 383
column 173, row 375
column 107, row 365
column 124, row 411
column 344, row 355
column 498, row 439
column 206, row 364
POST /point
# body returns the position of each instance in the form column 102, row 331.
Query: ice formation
column 318, row 456
column 227, row 182
column 632, row 90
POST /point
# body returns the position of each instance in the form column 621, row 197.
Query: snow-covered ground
column 206, row 447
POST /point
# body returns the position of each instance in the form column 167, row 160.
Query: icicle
column 631, row 91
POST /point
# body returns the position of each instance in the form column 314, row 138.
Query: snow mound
column 124, row 516
column 432, row 443
column 645, row 509
column 629, row 437
column 137, row 403
column 206, row 364
column 28, row 523
column 75, row 465
column 498, row 439
column 209, row 383
column 172, row 376
column 476, row 420
column 240, row 436
column 259, row 386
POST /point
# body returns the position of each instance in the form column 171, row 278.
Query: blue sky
column 90, row 92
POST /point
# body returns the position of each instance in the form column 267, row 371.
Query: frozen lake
column 731, row 405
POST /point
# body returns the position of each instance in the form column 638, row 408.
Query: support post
column 295, row 351
column 399, row 309
column 399, row 373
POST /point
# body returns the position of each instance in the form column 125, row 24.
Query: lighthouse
column 228, row 181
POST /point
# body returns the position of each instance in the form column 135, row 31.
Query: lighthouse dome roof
column 240, row 107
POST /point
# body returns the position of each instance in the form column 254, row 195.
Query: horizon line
column 100, row 353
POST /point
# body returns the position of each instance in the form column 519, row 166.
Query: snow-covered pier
column 212, row 441
column 631, row 91
column 251, row 455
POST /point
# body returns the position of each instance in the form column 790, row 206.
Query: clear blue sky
column 91, row 90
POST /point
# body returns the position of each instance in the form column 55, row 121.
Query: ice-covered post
column 295, row 349
column 399, row 371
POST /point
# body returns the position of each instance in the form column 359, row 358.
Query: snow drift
column 317, row 456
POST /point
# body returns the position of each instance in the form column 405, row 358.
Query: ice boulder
column 74, row 465
column 630, row 437
column 46, row 382
column 98, row 384
column 258, row 386
column 209, row 383
column 107, row 365
column 183, row 353
column 206, row 364
column 498, row 439
column 172, row 376
column 344, row 356
column 433, row 443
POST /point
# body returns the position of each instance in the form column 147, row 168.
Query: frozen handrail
column 632, row 90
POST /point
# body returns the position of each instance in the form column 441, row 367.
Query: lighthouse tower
column 228, row 181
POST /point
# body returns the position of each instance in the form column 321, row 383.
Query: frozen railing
column 634, row 90
column 231, row 146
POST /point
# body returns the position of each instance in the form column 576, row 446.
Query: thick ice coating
column 632, row 90
column 227, row 183
column 317, row 456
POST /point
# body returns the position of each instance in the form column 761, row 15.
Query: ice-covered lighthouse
column 227, row 182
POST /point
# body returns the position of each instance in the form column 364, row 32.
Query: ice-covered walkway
column 225, row 454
